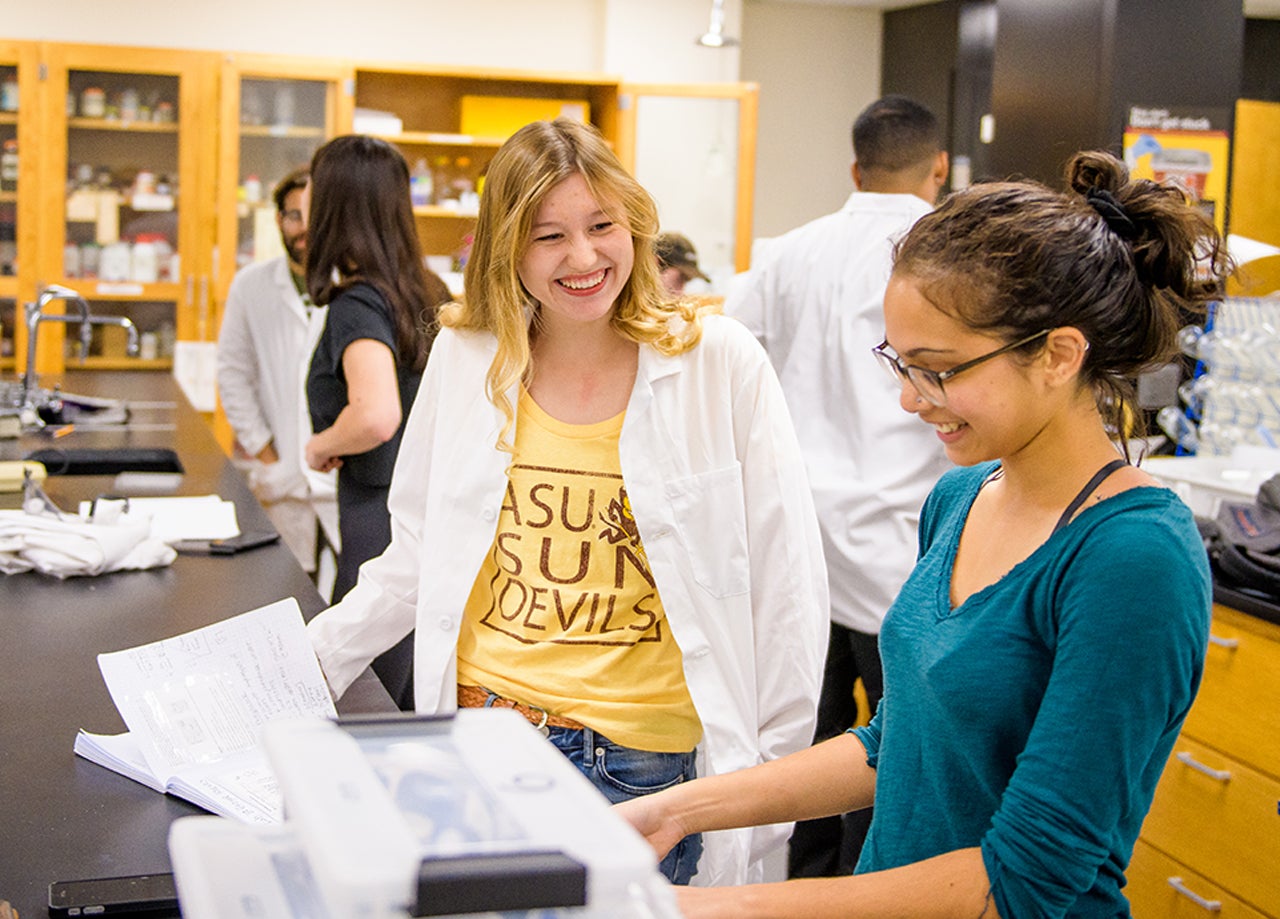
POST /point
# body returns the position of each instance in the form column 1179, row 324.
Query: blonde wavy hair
column 533, row 161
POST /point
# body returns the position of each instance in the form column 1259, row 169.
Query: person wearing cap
column 677, row 262
column 814, row 301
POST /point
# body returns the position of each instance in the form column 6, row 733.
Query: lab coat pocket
column 711, row 520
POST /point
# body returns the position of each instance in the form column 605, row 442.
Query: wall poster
column 1189, row 145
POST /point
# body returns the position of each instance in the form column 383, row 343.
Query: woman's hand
column 649, row 815
column 318, row 458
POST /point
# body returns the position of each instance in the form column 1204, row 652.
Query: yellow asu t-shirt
column 564, row 613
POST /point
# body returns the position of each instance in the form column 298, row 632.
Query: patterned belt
column 479, row 697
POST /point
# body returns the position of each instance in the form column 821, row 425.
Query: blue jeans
column 621, row 773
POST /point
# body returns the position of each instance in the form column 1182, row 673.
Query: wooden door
column 693, row 146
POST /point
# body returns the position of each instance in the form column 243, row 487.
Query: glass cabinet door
column 275, row 113
column 130, row 155
column 18, row 87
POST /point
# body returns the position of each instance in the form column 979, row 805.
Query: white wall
column 655, row 41
column 651, row 40
column 545, row 35
column 818, row 65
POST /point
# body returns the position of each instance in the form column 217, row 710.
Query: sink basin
column 106, row 461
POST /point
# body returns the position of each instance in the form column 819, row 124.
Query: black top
column 359, row 311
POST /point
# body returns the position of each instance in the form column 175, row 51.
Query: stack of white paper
column 182, row 517
column 196, row 704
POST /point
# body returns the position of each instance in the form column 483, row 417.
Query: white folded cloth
column 68, row 546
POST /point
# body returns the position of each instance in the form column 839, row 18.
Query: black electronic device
column 136, row 895
column 106, row 460
column 250, row 539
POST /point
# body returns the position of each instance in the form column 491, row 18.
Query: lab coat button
column 445, row 623
column 487, row 513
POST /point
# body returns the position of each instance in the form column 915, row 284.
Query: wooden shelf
column 438, row 139
column 8, row 117
column 115, row 124
column 435, row 211
column 97, row 289
column 281, row 130
column 120, row 363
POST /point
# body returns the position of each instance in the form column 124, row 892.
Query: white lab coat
column 718, row 490
column 815, row 299
column 264, row 350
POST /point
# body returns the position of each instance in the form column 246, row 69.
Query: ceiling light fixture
column 714, row 37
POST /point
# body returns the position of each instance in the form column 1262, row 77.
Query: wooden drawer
column 1161, row 888
column 1236, row 710
column 1225, row 825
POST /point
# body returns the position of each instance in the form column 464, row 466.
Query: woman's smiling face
column 993, row 410
column 577, row 259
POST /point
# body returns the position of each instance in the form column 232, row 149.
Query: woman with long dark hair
column 364, row 262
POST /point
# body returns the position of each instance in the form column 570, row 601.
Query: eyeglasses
column 928, row 383
column 293, row 216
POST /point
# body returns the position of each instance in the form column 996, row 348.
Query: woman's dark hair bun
column 1175, row 247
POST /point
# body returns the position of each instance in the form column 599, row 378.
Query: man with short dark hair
column 269, row 329
column 814, row 301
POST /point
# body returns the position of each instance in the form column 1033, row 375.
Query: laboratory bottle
column 443, row 180
column 9, row 93
column 9, row 165
column 421, row 184
column 1178, row 427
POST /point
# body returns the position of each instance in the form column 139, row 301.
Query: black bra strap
column 1085, row 492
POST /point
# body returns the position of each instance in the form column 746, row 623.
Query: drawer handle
column 1222, row 775
column 1230, row 643
column 1213, row 906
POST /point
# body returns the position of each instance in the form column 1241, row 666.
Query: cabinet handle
column 1222, row 775
column 1213, row 906
column 1231, row 643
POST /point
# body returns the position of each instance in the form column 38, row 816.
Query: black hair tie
column 1113, row 212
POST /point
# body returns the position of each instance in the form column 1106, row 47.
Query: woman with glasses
column 1041, row 657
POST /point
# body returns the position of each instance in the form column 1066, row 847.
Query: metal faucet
column 35, row 315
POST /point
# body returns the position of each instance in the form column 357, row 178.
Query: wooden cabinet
column 153, row 184
column 1211, row 843
column 450, row 122
column 125, row 174
column 274, row 112
column 19, row 125
column 1161, row 888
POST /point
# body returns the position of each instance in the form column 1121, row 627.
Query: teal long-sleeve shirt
column 1034, row 720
